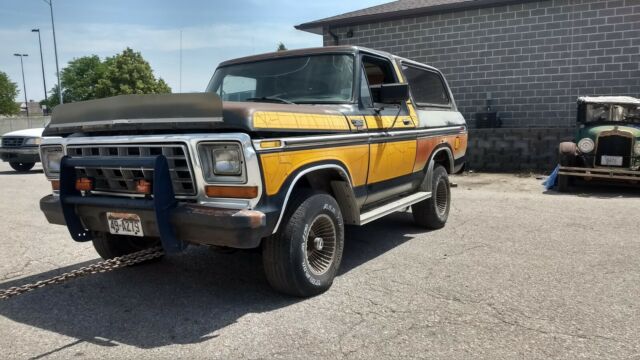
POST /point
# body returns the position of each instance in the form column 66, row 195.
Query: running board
column 393, row 207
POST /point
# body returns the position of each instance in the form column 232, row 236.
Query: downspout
column 336, row 39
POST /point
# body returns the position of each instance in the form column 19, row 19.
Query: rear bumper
column 24, row 155
column 600, row 173
column 191, row 223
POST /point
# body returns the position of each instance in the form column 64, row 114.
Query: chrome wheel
column 441, row 197
column 321, row 245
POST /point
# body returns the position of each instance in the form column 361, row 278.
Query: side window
column 378, row 71
column 237, row 88
column 427, row 87
column 365, row 93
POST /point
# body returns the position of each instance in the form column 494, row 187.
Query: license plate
column 124, row 224
column 611, row 160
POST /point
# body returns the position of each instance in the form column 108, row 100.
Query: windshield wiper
column 270, row 98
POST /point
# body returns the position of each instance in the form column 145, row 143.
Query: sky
column 212, row 31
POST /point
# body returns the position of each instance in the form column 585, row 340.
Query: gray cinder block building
column 531, row 59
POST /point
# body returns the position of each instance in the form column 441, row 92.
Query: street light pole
column 24, row 83
column 55, row 48
column 44, row 81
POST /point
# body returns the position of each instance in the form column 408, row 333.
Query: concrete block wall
column 534, row 58
column 516, row 149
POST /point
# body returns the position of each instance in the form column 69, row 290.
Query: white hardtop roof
column 610, row 100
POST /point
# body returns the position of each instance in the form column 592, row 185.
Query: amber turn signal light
column 143, row 186
column 236, row 192
column 55, row 185
column 84, row 184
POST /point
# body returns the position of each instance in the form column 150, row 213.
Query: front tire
column 110, row 246
column 564, row 183
column 303, row 257
column 434, row 212
column 22, row 167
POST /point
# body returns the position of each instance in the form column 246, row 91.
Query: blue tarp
column 552, row 179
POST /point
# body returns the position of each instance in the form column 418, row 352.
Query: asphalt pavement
column 518, row 272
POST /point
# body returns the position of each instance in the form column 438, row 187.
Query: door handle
column 407, row 122
column 358, row 123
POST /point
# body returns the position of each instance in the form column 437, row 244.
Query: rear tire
column 109, row 246
column 22, row 167
column 434, row 212
column 304, row 256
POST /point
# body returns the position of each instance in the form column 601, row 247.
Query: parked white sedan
column 20, row 148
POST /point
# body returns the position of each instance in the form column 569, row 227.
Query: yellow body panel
column 384, row 122
column 287, row 120
column 277, row 167
column 391, row 160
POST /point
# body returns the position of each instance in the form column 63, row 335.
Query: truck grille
column 123, row 180
column 12, row 141
column 614, row 145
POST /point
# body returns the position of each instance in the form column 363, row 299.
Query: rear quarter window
column 427, row 87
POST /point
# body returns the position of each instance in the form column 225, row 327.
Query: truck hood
column 37, row 132
column 173, row 112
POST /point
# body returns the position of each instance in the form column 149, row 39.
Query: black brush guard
column 162, row 203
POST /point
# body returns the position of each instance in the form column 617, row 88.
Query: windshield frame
column 350, row 54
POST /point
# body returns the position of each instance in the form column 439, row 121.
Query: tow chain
column 100, row 267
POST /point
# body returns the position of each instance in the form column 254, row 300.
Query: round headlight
column 636, row 148
column 586, row 145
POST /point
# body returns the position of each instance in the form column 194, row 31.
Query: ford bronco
column 607, row 145
column 280, row 153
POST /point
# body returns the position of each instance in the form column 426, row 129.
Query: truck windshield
column 612, row 113
column 299, row 80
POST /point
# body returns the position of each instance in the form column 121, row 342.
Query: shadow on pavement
column 13, row 172
column 184, row 299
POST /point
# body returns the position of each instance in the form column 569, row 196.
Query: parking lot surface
column 517, row 273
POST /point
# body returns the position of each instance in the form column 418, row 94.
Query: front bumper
column 600, row 173
column 22, row 155
column 191, row 223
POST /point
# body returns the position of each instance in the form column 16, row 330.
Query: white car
column 20, row 148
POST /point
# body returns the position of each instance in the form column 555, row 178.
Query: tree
column 8, row 94
column 79, row 79
column 129, row 73
column 281, row 47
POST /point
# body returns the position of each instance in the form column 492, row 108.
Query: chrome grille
column 12, row 141
column 123, row 180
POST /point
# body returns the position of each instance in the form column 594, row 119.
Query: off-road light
column 84, row 184
column 51, row 157
column 586, row 145
column 143, row 186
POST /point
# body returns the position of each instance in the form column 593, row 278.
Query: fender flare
column 341, row 169
column 426, row 183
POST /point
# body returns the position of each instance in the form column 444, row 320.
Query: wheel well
column 442, row 158
column 335, row 183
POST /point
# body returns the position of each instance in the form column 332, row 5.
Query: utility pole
column 180, row 81
column 44, row 81
column 55, row 48
column 24, row 83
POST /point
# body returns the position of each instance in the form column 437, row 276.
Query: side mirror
column 390, row 93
